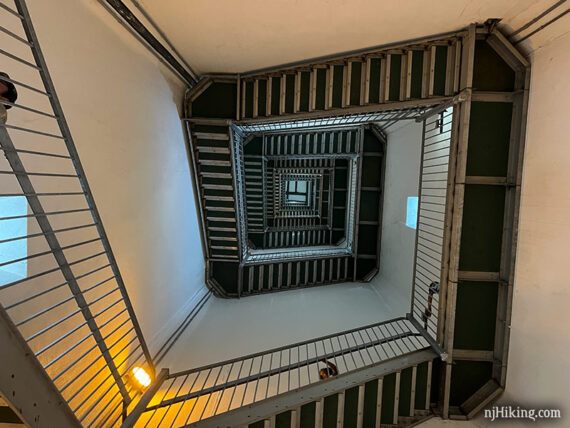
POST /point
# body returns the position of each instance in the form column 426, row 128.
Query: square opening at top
column 297, row 192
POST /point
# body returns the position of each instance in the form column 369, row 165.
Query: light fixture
column 141, row 377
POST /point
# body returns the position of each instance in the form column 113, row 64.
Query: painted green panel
column 350, row 407
column 405, row 392
column 374, row 90
column 367, row 239
column 308, row 415
column 388, row 392
column 417, row 73
column 254, row 146
column 305, row 91
column 475, row 316
column 340, row 178
column 371, row 171
column 276, row 276
column 489, row 135
column 289, row 93
column 275, row 95
column 395, row 76
column 226, row 273
column 490, row 72
column 283, row 420
column 330, row 411
column 265, row 284
column 439, row 70
column 219, row 100
column 256, row 238
column 302, row 270
column 421, row 386
column 466, row 378
column 337, row 86
column 210, row 128
column 262, row 98
column 338, row 218
column 321, row 89
column 482, row 228
column 258, row 424
column 311, row 269
column 370, row 397
column 371, row 143
column 355, row 80
column 369, row 205
column 248, row 99
column 364, row 267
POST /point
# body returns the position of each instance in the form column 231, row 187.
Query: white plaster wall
column 236, row 36
column 229, row 328
column 539, row 366
column 398, row 240
column 122, row 106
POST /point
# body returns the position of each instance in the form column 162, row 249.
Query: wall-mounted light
column 141, row 377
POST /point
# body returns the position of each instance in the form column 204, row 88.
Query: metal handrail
column 194, row 395
column 432, row 197
column 72, row 307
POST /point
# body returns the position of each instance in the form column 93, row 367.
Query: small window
column 297, row 192
column 412, row 212
column 13, row 206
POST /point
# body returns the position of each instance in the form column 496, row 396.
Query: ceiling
column 238, row 36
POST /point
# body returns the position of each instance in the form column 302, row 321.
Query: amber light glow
column 141, row 376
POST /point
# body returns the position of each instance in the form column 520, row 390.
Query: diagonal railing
column 60, row 284
column 429, row 259
column 191, row 396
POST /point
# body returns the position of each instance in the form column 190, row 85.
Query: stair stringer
column 210, row 152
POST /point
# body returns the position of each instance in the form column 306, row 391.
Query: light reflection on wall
column 13, row 206
column 412, row 212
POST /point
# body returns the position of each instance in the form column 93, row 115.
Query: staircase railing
column 62, row 288
column 432, row 217
column 195, row 395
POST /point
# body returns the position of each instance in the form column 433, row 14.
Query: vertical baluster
column 255, row 97
column 340, row 410
column 388, row 61
column 319, row 406
column 313, row 89
column 379, row 403
column 364, row 81
column 403, row 75
column 282, row 95
column 297, row 102
column 268, row 96
column 409, row 74
column 396, row 398
column 432, row 70
column 329, row 89
column 360, row 407
column 346, row 71
column 413, row 392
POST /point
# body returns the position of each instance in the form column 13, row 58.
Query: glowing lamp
column 141, row 377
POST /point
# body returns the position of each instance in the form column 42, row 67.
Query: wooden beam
column 472, row 355
column 464, row 275
column 366, row 91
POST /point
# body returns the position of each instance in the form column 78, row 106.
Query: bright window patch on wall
column 13, row 206
column 412, row 212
